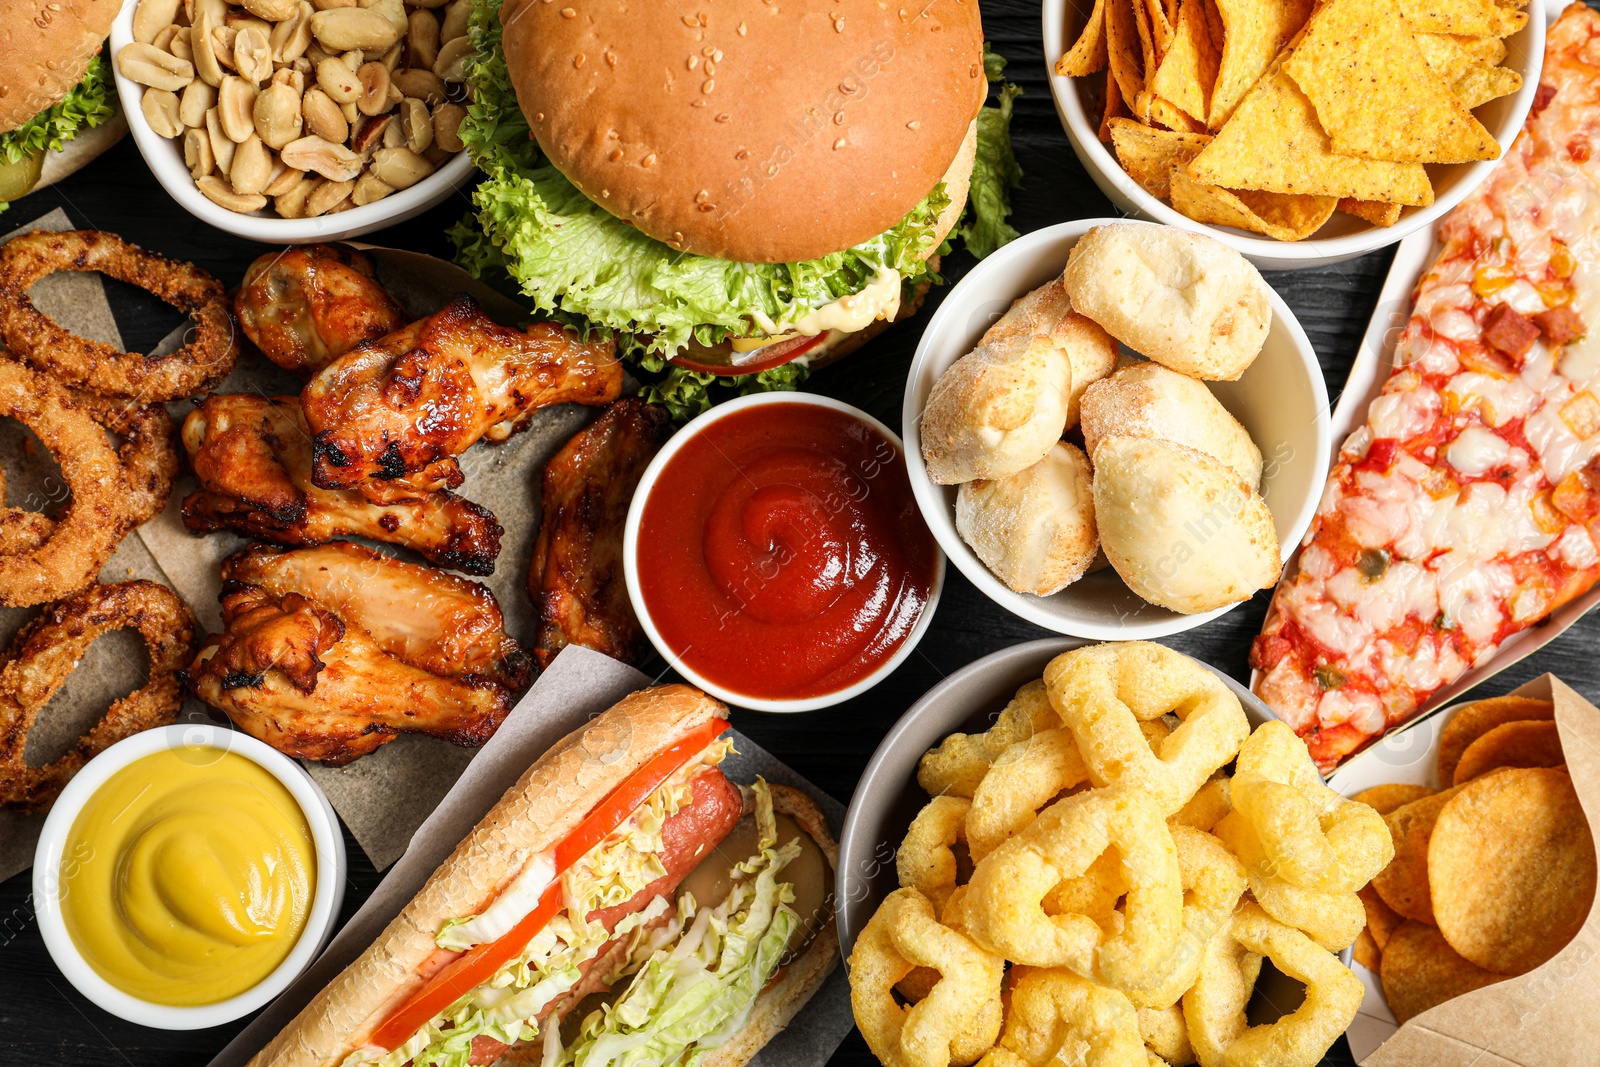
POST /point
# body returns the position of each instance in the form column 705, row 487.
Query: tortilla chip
column 1471, row 721
column 1512, row 866
column 1189, row 68
column 1285, row 218
column 1161, row 30
column 1374, row 93
column 1088, row 53
column 1162, row 112
column 1123, row 49
column 1511, row 744
column 1273, row 143
column 1147, row 47
column 1479, row 85
column 1464, row 16
column 1214, row 24
column 1453, row 54
column 1385, row 798
column 1374, row 211
column 1254, row 32
column 1150, row 155
column 1420, row 970
column 1115, row 107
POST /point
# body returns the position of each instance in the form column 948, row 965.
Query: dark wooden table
column 44, row 1020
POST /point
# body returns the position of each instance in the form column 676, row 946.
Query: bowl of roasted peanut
column 285, row 121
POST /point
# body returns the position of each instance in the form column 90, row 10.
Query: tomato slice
column 478, row 964
column 719, row 362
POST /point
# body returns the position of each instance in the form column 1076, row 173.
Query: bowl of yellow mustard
column 187, row 875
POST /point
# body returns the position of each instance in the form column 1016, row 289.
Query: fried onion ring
column 959, row 1018
column 46, row 650
column 1053, row 1011
column 1005, row 904
column 35, row 338
column 1103, row 692
column 925, row 861
column 66, row 555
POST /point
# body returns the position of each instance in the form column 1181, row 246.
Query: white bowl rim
column 1085, row 139
column 320, row 919
column 174, row 177
column 935, row 512
column 630, row 559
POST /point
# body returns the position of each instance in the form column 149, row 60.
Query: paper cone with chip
column 1485, row 847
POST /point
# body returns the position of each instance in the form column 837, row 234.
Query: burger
column 55, row 89
column 741, row 190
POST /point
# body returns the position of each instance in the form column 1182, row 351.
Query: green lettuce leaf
column 994, row 171
column 88, row 105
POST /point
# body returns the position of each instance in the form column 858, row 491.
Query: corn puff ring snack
column 1103, row 692
column 957, row 1021
column 1025, row 778
column 1004, row 907
column 925, row 861
column 1207, row 807
column 961, row 760
column 1054, row 1011
column 1214, row 1006
column 1166, row 1035
column 1287, row 824
column 1332, row 920
column 1213, row 881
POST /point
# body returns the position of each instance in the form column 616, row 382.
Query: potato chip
column 1453, row 54
column 1472, row 721
column 1381, row 919
column 1189, row 68
column 1385, row 798
column 1479, row 85
column 1273, row 143
column 1088, row 53
column 1285, row 218
column 1374, row 93
column 1374, row 211
column 1419, row 970
column 1512, row 744
column 1254, row 31
column 1366, row 951
column 1403, row 885
column 1512, row 868
column 1464, row 16
column 1123, row 49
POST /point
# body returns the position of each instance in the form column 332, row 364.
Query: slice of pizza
column 1467, row 508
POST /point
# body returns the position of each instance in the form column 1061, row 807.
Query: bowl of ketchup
column 775, row 555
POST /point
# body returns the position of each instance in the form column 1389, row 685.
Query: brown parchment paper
column 116, row 664
column 385, row 796
column 578, row 686
column 1549, row 1017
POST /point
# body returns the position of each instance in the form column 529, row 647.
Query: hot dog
column 547, row 934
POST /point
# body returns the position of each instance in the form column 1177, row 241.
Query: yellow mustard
column 188, row 876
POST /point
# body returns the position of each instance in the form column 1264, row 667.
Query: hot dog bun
column 545, row 804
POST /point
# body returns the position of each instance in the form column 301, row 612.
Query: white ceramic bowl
column 630, row 559
column 1344, row 236
column 165, row 159
column 1281, row 400
column 320, row 920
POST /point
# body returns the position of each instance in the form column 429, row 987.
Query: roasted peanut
column 150, row 66
column 292, row 78
column 222, row 38
column 163, row 39
column 422, row 39
column 456, row 19
column 243, row 20
column 236, row 103
column 333, row 161
column 222, row 146
column 416, row 124
column 181, row 44
column 198, row 98
column 329, row 5
column 345, row 28
column 291, row 204
column 374, row 78
column 393, row 135
column 369, row 135
column 252, row 56
column 160, row 108
column 218, row 192
column 323, row 117
column 429, row 3
column 291, row 37
column 369, row 188
column 151, row 17
column 447, row 125
column 216, row 11
column 391, row 58
column 271, row 10
column 197, row 154
column 400, row 167
column 252, row 167
column 338, row 81
column 277, row 115
column 284, row 179
column 205, row 55
column 393, row 10
column 451, row 64
column 425, row 85
column 327, row 196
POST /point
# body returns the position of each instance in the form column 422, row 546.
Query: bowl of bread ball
column 1116, row 429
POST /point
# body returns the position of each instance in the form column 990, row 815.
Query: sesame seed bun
column 45, row 48
column 763, row 132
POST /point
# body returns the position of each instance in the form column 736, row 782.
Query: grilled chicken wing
column 252, row 457
column 576, row 578
column 305, row 307
column 329, row 652
column 390, row 417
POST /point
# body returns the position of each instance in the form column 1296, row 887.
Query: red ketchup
column 781, row 554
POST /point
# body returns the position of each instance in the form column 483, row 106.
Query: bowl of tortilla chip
column 1299, row 134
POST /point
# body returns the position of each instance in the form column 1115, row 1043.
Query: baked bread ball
column 1182, row 529
column 1185, row 300
column 1048, row 311
column 1148, row 400
column 1035, row 529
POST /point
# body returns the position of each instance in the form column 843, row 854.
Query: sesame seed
column 578, row 60
column 648, row 161
column 772, row 171
column 847, row 88
column 838, row 24
column 694, row 61
column 743, row 29
column 616, row 155
column 538, row 117
column 611, row 58
column 913, row 125
column 702, row 196
column 708, row 51
column 711, row 68
column 697, row 103
column 724, row 117
column 568, row 13
column 708, row 207
column 743, row 153
column 689, row 20
column 840, row 143
column 709, row 85
column 838, row 118
column 717, row 55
